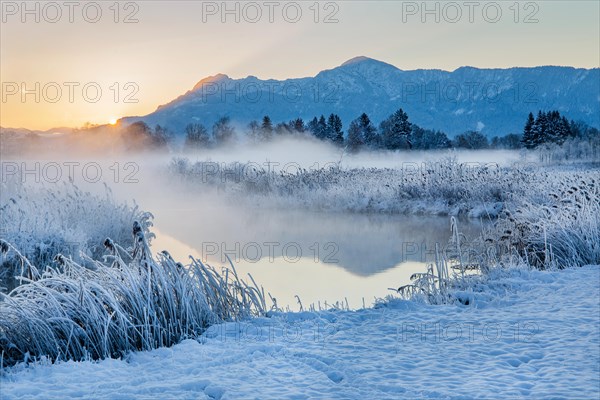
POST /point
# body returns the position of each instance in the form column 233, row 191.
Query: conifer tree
column 334, row 129
column 297, row 125
column 528, row 132
column 266, row 128
column 321, row 132
column 362, row 133
column 354, row 141
column 369, row 134
column 395, row 131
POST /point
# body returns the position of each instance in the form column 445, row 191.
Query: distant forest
column 394, row 133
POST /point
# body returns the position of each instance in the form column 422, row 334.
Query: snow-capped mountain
column 495, row 101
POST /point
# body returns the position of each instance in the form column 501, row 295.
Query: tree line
column 552, row 128
column 394, row 133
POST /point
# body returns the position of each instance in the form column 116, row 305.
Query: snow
column 398, row 349
column 362, row 84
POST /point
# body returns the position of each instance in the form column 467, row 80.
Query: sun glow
column 112, row 121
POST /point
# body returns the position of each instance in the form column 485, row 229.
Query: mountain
column 24, row 131
column 494, row 101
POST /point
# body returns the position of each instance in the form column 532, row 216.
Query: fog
column 310, row 153
column 286, row 247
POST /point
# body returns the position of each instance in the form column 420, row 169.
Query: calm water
column 319, row 257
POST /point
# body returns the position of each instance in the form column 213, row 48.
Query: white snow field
column 528, row 334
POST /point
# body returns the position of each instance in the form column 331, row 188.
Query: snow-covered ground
column 528, row 334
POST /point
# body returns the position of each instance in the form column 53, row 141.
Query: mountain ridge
column 493, row 100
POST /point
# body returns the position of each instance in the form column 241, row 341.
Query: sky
column 94, row 62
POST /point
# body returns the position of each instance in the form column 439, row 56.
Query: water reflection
column 320, row 257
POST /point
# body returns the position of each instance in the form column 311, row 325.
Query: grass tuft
column 129, row 301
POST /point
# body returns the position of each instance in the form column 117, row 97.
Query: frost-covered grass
column 127, row 302
column 42, row 222
column 453, row 270
column 445, row 187
column 558, row 227
column 550, row 229
column 82, row 286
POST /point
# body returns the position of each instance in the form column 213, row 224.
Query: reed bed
column 129, row 301
column 444, row 187
column 550, row 229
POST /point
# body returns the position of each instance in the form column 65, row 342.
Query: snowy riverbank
column 527, row 334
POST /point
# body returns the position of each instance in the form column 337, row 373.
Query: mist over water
column 310, row 153
column 319, row 256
